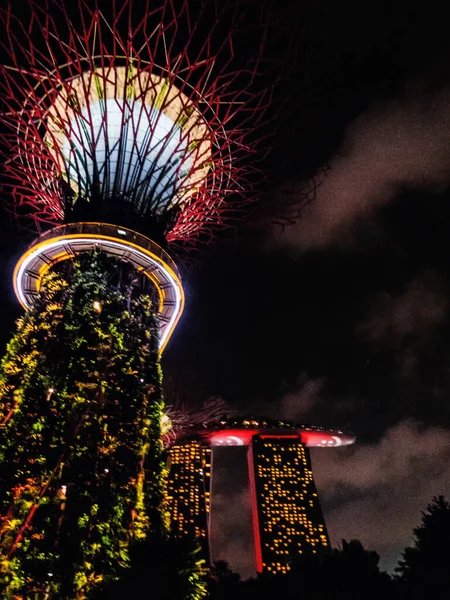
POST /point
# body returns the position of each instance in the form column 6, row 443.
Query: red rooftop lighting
column 240, row 432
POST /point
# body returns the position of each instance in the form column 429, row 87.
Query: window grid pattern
column 188, row 489
column 289, row 515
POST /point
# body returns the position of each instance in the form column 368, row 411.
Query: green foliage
column 81, row 460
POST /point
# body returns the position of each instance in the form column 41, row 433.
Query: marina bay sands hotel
column 286, row 513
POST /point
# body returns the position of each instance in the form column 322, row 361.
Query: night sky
column 342, row 318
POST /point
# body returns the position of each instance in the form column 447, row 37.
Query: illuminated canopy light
column 74, row 73
column 222, row 435
column 225, row 439
column 119, row 133
column 128, row 151
column 67, row 241
column 326, row 438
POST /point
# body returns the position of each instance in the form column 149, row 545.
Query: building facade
column 287, row 517
column 188, row 490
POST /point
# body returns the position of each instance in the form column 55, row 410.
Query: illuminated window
column 287, row 501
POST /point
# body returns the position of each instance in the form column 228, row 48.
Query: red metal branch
column 54, row 48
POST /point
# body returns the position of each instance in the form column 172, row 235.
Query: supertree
column 126, row 129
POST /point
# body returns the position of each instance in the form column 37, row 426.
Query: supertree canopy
column 137, row 119
column 125, row 129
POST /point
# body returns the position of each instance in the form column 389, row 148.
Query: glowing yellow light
column 56, row 247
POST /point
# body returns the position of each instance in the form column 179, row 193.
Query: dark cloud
column 375, row 492
column 408, row 323
column 232, row 530
column 403, row 143
column 298, row 402
column 231, row 522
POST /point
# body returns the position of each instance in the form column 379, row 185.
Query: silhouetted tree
column 425, row 567
column 223, row 582
column 355, row 572
column 350, row 572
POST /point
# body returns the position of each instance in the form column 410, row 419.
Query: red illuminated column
column 208, row 516
column 254, row 503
